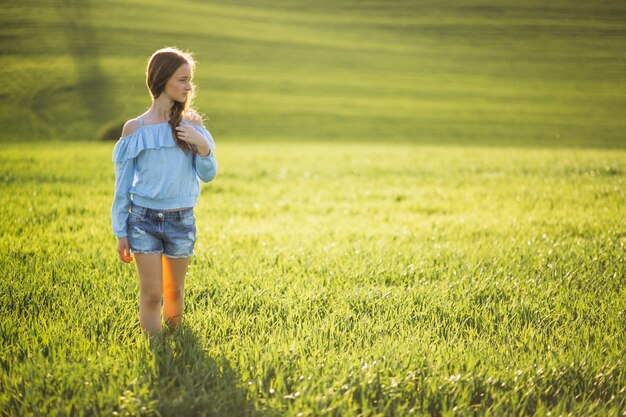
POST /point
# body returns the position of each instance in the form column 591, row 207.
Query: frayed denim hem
column 179, row 256
column 145, row 252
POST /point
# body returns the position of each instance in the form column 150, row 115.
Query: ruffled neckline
column 129, row 146
column 156, row 125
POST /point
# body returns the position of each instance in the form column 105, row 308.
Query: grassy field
column 330, row 279
column 482, row 72
column 418, row 211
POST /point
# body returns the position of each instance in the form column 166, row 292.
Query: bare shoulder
column 193, row 118
column 130, row 127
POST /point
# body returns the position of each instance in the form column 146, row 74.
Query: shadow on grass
column 190, row 383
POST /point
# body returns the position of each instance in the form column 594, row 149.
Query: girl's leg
column 174, row 270
column 150, row 271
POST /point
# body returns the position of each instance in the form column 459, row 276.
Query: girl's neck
column 159, row 111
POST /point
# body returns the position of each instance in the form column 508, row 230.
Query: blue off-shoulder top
column 152, row 171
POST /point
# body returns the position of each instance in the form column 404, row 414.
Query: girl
column 158, row 161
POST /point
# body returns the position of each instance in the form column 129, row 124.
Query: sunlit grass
column 329, row 280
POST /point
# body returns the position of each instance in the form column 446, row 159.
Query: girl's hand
column 123, row 249
column 189, row 134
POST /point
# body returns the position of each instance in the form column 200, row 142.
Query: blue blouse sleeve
column 205, row 166
column 124, row 157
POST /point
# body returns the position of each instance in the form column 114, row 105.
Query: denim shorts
column 156, row 231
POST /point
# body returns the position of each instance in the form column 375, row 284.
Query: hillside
column 462, row 72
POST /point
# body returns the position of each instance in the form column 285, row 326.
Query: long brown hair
column 161, row 66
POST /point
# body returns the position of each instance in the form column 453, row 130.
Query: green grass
column 418, row 211
column 330, row 279
column 476, row 72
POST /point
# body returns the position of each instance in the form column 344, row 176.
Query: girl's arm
column 124, row 175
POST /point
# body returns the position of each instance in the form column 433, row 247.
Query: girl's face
column 179, row 87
